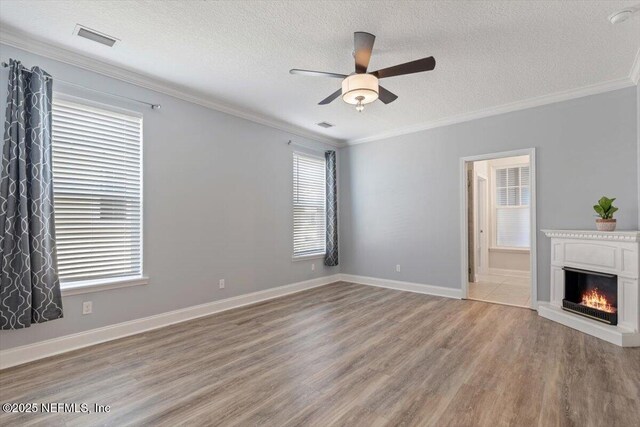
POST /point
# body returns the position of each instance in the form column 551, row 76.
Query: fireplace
column 591, row 294
column 591, row 253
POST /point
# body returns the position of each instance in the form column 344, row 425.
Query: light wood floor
column 343, row 354
column 514, row 291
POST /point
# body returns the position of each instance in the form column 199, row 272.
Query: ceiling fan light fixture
column 360, row 89
column 624, row 14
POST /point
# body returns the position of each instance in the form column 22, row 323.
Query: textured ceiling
column 238, row 53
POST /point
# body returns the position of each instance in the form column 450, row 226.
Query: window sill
column 88, row 286
column 510, row 250
column 307, row 257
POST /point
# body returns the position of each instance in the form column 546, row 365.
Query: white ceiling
column 238, row 53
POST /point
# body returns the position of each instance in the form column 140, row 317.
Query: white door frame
column 464, row 213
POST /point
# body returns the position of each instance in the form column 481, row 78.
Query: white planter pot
column 605, row 224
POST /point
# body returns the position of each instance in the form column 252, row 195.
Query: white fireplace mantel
column 622, row 236
column 616, row 252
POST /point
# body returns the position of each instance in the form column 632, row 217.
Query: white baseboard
column 28, row 353
column 403, row 286
column 499, row 273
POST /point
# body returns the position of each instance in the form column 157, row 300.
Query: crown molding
column 51, row 51
column 502, row 109
column 634, row 75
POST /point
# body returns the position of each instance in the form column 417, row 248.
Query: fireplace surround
column 594, row 284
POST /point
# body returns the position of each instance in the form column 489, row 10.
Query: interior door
column 481, row 229
column 471, row 235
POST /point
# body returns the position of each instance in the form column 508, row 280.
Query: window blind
column 512, row 227
column 308, row 205
column 97, row 187
column 512, row 207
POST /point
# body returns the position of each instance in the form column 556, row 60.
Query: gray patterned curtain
column 29, row 285
column 331, row 257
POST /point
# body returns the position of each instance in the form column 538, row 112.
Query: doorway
column 498, row 228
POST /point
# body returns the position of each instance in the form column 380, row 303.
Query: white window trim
column 98, row 285
column 308, row 257
column 318, row 255
column 493, row 245
column 507, row 249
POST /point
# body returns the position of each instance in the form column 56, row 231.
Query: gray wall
column 400, row 197
column 218, row 194
column 217, row 198
column 507, row 260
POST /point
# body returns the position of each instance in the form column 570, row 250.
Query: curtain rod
column 153, row 106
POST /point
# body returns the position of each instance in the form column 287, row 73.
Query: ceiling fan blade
column 385, row 96
column 331, row 97
column 417, row 66
column 317, row 73
column 363, row 45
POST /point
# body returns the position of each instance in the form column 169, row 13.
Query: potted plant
column 605, row 210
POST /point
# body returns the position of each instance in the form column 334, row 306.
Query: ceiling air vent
column 325, row 125
column 94, row 35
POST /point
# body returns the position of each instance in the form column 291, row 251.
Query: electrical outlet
column 397, row 268
column 221, row 284
column 87, row 307
column 313, row 267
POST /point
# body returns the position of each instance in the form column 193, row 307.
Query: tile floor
column 503, row 290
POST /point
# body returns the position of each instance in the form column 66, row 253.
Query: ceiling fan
column 362, row 87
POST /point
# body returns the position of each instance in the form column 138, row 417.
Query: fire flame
column 596, row 300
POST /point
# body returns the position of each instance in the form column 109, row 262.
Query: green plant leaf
column 605, row 203
column 599, row 210
column 605, row 207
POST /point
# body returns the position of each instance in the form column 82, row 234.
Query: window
column 97, row 185
column 512, row 207
column 308, row 205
